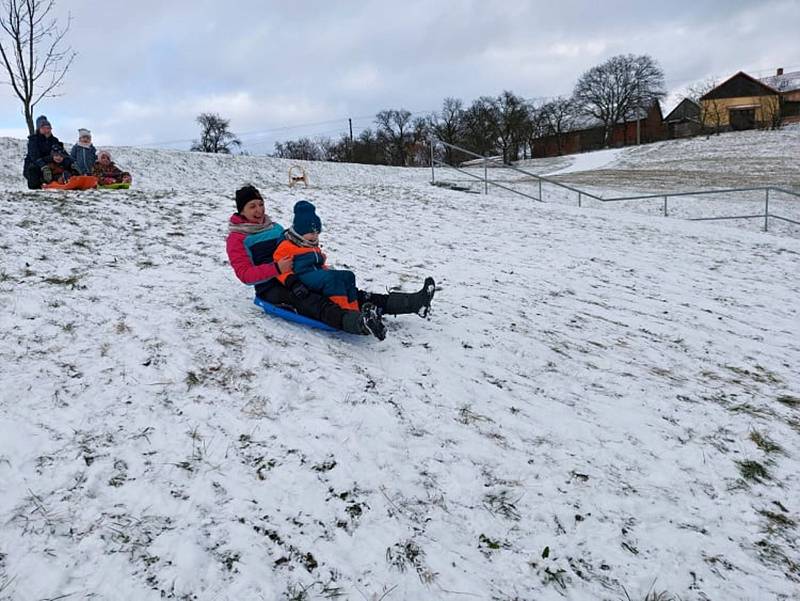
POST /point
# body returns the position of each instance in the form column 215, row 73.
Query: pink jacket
column 240, row 260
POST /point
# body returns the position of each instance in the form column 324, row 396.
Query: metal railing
column 485, row 162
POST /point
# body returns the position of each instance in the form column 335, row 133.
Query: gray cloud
column 146, row 69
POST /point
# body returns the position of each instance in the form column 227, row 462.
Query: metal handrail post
column 433, row 163
column 485, row 160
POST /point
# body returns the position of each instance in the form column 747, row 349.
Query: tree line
column 505, row 125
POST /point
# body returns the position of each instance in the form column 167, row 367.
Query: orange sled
column 76, row 182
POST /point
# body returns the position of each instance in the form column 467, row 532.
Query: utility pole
column 350, row 121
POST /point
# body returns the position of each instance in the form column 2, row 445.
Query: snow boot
column 367, row 321
column 372, row 321
column 399, row 303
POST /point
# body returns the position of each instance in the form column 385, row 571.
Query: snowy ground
column 609, row 407
column 756, row 158
column 733, row 160
column 588, row 161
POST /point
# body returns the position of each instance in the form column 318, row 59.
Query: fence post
column 579, row 199
column 433, row 168
column 665, row 206
column 766, row 210
column 540, row 190
column 485, row 176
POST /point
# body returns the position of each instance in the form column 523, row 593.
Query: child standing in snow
column 309, row 262
column 107, row 172
column 83, row 153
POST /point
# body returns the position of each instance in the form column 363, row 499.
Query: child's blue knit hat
column 305, row 218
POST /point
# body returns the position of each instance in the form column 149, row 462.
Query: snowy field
column 732, row 160
column 602, row 405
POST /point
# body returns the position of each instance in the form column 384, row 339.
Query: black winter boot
column 372, row 321
column 365, row 322
column 353, row 323
column 400, row 303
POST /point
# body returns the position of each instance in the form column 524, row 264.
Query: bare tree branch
column 34, row 38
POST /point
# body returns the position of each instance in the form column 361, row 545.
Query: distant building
column 744, row 102
column 788, row 84
column 684, row 120
column 588, row 134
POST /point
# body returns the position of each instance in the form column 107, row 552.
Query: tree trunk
column 29, row 120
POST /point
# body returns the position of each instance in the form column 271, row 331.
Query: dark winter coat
column 40, row 152
column 84, row 158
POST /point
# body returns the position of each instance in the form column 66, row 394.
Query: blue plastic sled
column 271, row 309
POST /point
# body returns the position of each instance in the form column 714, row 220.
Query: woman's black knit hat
column 244, row 195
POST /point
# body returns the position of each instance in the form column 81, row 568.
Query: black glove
column 299, row 289
column 47, row 174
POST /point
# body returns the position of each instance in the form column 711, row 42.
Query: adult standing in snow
column 83, row 152
column 45, row 152
column 252, row 240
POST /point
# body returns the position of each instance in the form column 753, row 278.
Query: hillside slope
column 600, row 403
column 727, row 160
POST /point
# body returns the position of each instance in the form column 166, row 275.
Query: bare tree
column 619, row 88
column 394, row 131
column 480, row 127
column 535, row 127
column 509, row 115
column 448, row 126
column 215, row 135
column 303, row 149
column 368, row 149
column 31, row 46
column 712, row 110
column 772, row 110
column 558, row 117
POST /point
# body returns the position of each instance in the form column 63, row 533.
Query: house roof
column 687, row 109
column 788, row 82
column 714, row 93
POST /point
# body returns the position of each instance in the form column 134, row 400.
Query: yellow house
column 741, row 102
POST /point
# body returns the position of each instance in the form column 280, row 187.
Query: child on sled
column 301, row 243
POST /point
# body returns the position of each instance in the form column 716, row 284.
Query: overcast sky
column 146, row 68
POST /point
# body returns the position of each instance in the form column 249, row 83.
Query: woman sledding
column 252, row 241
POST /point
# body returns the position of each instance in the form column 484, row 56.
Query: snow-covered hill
column 748, row 161
column 733, row 159
column 601, row 405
